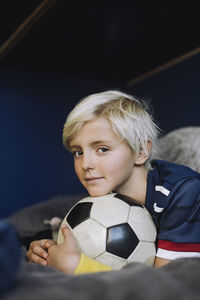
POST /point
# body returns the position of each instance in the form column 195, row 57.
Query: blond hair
column 129, row 117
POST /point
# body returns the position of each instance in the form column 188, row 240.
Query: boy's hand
column 64, row 257
column 38, row 251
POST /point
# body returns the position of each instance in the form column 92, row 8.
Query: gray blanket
column 179, row 280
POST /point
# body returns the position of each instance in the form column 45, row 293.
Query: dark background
column 75, row 49
column 106, row 40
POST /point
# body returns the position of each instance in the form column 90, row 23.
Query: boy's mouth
column 93, row 179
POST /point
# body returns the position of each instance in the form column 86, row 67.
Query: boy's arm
column 160, row 262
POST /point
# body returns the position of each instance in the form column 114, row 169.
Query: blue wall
column 33, row 107
column 174, row 94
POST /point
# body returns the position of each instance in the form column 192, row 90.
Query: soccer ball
column 113, row 229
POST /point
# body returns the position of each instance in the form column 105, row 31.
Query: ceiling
column 106, row 40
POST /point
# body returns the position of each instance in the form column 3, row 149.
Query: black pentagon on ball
column 121, row 240
column 130, row 201
column 79, row 213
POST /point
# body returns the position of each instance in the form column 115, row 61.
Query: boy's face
column 103, row 162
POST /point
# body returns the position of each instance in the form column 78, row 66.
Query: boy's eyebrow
column 100, row 142
column 74, row 147
column 92, row 144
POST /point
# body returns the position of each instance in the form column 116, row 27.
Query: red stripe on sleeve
column 190, row 247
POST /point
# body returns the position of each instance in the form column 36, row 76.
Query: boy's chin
column 98, row 193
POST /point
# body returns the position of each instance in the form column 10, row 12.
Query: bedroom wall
column 174, row 94
column 34, row 165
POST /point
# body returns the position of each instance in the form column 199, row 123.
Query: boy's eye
column 102, row 149
column 77, row 153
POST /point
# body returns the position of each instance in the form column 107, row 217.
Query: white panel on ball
column 142, row 222
column 115, row 262
column 145, row 253
column 89, row 236
column 117, row 210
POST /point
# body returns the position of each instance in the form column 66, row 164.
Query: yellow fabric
column 88, row 265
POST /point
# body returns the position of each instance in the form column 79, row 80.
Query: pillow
column 181, row 146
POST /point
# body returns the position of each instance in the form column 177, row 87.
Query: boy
column 113, row 138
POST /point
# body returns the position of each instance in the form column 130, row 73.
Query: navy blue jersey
column 173, row 200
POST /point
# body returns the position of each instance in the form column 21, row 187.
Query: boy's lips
column 93, row 179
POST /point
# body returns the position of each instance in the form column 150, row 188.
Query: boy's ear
column 142, row 157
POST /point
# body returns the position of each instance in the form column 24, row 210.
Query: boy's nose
column 88, row 163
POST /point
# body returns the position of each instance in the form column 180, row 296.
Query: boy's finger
column 46, row 243
column 66, row 232
column 39, row 251
column 49, row 243
column 37, row 259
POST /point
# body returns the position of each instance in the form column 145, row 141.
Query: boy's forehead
column 94, row 132
column 95, row 126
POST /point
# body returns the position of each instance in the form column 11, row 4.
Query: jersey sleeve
column 179, row 228
column 88, row 265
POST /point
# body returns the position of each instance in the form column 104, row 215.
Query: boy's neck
column 137, row 185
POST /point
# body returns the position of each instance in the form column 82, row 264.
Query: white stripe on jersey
column 171, row 255
column 162, row 189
